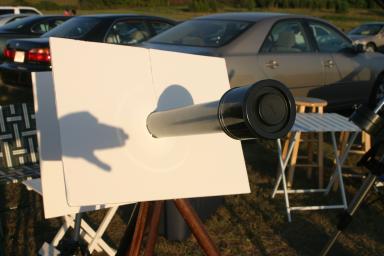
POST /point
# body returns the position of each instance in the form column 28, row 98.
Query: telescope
column 265, row 110
column 372, row 122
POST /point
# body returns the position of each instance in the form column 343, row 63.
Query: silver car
column 370, row 34
column 309, row 55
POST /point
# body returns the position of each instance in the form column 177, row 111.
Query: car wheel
column 370, row 47
column 378, row 92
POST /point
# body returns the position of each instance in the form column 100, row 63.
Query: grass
column 246, row 225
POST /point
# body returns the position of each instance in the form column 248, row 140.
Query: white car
column 18, row 10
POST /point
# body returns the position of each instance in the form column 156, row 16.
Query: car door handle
column 329, row 64
column 272, row 64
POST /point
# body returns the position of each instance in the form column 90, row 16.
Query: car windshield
column 18, row 24
column 74, row 28
column 367, row 30
column 202, row 33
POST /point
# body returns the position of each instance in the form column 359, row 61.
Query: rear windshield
column 367, row 30
column 74, row 28
column 18, row 24
column 6, row 11
column 202, row 33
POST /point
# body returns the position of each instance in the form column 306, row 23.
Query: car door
column 128, row 32
column 347, row 78
column 288, row 56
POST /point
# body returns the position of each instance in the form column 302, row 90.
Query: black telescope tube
column 265, row 109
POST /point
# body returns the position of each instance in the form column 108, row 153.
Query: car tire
column 377, row 92
column 371, row 47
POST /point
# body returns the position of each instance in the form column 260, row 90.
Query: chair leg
column 293, row 160
column 310, row 154
column 101, row 229
column 284, row 153
column 60, row 234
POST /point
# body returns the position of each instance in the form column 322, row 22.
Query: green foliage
column 21, row 2
column 203, row 6
column 247, row 4
column 341, row 6
column 48, row 5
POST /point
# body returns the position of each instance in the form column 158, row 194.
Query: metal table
column 314, row 122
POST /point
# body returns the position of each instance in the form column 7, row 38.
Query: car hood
column 27, row 44
column 183, row 49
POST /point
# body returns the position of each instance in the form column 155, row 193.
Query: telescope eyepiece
column 265, row 109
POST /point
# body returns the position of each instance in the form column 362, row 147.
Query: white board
column 103, row 96
column 48, row 137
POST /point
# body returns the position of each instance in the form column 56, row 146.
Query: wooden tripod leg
column 139, row 230
column 154, row 228
column 196, row 226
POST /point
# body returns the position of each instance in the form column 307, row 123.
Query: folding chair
column 19, row 162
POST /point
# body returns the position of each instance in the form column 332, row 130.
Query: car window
column 202, row 33
column 41, row 27
column 75, row 28
column 328, row 39
column 6, row 11
column 19, row 24
column 30, row 11
column 367, row 30
column 159, row 26
column 56, row 23
column 286, row 37
column 128, row 33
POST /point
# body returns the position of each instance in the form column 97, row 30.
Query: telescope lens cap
column 273, row 109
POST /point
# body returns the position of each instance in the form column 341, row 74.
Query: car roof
column 14, row 15
column 373, row 23
column 121, row 15
column 14, row 7
column 245, row 16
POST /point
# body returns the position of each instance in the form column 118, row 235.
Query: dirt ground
column 252, row 224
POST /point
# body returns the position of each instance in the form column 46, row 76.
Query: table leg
column 283, row 165
column 342, row 158
column 283, row 162
column 339, row 164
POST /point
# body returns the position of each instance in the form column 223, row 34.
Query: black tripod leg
column 346, row 218
column 75, row 245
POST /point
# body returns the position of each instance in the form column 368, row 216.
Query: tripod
column 131, row 245
column 376, row 169
column 75, row 245
column 373, row 160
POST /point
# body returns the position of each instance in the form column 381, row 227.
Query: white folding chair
column 92, row 237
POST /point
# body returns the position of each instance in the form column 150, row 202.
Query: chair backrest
column 19, row 156
column 18, row 140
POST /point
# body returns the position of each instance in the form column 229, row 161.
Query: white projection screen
column 105, row 155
